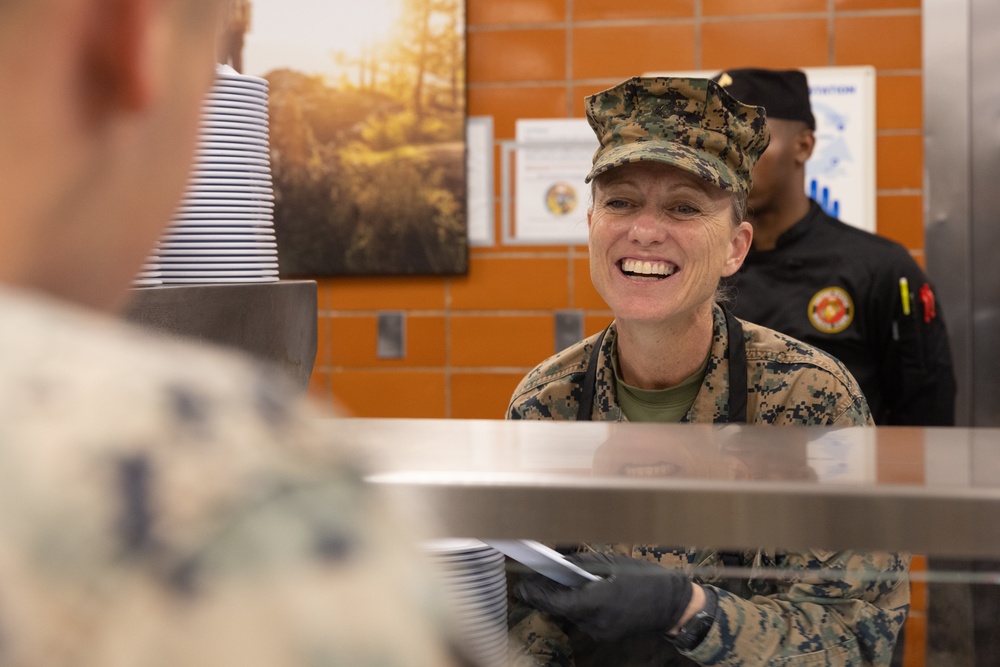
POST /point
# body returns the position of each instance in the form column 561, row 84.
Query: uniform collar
column 793, row 233
column 710, row 405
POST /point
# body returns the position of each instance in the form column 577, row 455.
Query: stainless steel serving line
column 930, row 491
column 274, row 322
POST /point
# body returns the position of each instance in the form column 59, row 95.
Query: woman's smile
column 641, row 269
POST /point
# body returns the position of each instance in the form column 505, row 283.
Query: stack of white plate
column 223, row 230
column 475, row 580
column 149, row 275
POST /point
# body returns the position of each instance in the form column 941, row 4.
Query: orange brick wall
column 470, row 339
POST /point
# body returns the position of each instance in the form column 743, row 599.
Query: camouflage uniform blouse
column 812, row 617
column 165, row 504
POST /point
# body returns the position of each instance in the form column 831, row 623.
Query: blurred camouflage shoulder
column 161, row 498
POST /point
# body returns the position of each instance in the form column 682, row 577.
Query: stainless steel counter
column 930, row 491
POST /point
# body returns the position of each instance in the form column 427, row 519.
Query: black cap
column 783, row 93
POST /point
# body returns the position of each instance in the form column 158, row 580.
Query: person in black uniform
column 853, row 294
column 858, row 296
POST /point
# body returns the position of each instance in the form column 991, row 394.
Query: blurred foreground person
column 667, row 223
column 160, row 503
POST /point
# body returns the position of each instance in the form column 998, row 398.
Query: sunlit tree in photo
column 368, row 151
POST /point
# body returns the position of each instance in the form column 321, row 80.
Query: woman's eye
column 686, row 209
column 616, row 203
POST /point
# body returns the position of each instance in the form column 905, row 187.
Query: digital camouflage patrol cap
column 783, row 93
column 692, row 124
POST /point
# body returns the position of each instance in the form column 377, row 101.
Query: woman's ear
column 742, row 238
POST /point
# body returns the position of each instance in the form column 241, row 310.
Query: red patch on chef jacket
column 927, row 298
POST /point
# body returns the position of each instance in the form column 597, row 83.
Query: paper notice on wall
column 553, row 157
column 479, row 180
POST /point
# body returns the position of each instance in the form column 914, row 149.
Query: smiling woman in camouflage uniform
column 670, row 181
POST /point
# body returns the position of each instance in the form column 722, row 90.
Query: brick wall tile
column 508, row 103
column 602, row 10
column 322, row 342
column 505, row 340
column 774, row 44
column 900, row 161
column 491, row 12
column 885, row 42
column 386, row 293
column 623, row 52
column 900, row 218
column 859, row 5
column 513, row 284
column 899, row 102
column 482, row 395
column 516, row 55
column 417, row 395
column 757, row 7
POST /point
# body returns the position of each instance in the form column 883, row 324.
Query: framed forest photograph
column 367, row 131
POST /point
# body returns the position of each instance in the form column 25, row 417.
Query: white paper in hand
column 544, row 560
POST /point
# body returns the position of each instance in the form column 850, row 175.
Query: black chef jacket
column 838, row 288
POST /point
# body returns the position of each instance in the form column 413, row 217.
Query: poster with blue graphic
column 841, row 173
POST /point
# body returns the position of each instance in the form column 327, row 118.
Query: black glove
column 634, row 596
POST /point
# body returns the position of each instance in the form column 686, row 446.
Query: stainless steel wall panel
column 962, row 198
column 985, row 177
column 947, row 168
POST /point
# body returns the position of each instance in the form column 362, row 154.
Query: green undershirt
column 658, row 405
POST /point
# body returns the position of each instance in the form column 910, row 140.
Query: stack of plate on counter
column 223, row 230
column 475, row 580
column 149, row 275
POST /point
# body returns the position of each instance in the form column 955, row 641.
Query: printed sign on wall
column 841, row 173
column 553, row 157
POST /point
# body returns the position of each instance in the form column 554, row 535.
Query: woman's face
column 660, row 240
